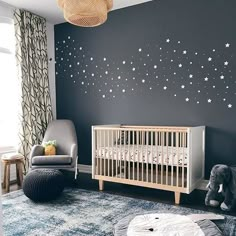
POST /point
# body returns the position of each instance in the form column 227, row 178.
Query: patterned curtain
column 32, row 63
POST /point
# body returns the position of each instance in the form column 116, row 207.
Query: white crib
column 167, row 158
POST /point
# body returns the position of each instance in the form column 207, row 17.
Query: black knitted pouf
column 43, row 184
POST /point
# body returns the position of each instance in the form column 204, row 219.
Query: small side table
column 8, row 160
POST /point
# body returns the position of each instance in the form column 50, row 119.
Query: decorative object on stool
column 8, row 160
column 43, row 184
column 222, row 180
column 159, row 224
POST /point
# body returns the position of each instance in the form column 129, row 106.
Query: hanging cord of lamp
column 85, row 13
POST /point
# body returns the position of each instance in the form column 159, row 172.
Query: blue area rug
column 81, row 212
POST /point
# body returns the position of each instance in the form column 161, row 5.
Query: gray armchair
column 63, row 131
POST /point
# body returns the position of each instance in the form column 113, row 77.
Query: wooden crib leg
column 177, row 198
column 101, row 185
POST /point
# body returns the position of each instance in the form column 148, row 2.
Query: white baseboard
column 88, row 170
column 85, row 169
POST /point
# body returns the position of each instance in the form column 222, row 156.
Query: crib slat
column 129, row 154
column 125, row 164
column 167, row 155
column 147, row 157
column 184, row 137
column 157, row 155
column 177, row 172
column 134, row 156
column 116, row 173
column 138, row 153
column 162, row 158
column 100, row 146
column 108, row 149
column 142, row 152
column 120, row 153
column 104, row 145
column 172, row 161
column 151, row 156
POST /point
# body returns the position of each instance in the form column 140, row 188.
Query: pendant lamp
column 86, row 13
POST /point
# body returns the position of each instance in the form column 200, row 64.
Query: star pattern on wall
column 168, row 66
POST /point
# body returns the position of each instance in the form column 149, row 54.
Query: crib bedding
column 146, row 154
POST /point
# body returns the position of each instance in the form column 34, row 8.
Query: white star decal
column 227, row 45
column 226, row 63
column 209, row 100
column 206, row 79
column 230, row 105
column 180, row 65
column 209, row 59
column 168, row 40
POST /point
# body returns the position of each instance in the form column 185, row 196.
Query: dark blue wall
column 160, row 63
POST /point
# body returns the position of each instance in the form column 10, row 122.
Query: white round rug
column 163, row 225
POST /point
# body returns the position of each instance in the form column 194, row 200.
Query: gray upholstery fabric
column 63, row 131
column 209, row 228
column 51, row 160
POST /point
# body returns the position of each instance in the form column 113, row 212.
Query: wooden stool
column 7, row 160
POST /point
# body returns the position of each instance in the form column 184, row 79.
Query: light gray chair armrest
column 74, row 153
column 37, row 150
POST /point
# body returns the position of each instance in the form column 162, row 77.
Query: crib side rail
column 150, row 156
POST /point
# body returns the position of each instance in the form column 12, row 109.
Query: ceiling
column 50, row 10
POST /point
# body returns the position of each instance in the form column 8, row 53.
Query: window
column 8, row 87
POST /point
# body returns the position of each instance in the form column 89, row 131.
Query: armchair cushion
column 52, row 160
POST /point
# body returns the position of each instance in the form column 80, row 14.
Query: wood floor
column 194, row 200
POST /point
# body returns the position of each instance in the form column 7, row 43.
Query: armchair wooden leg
column 101, row 185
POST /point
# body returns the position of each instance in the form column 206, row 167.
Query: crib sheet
column 147, row 154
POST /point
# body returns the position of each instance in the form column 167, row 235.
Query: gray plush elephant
column 222, row 181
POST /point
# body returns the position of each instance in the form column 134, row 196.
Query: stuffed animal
column 222, row 181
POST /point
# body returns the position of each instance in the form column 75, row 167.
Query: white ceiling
column 50, row 10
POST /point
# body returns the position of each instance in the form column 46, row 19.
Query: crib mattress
column 145, row 154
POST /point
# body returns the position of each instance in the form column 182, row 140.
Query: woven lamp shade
column 109, row 4
column 86, row 13
column 60, row 3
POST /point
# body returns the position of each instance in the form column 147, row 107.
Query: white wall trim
column 85, row 168
column 88, row 170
